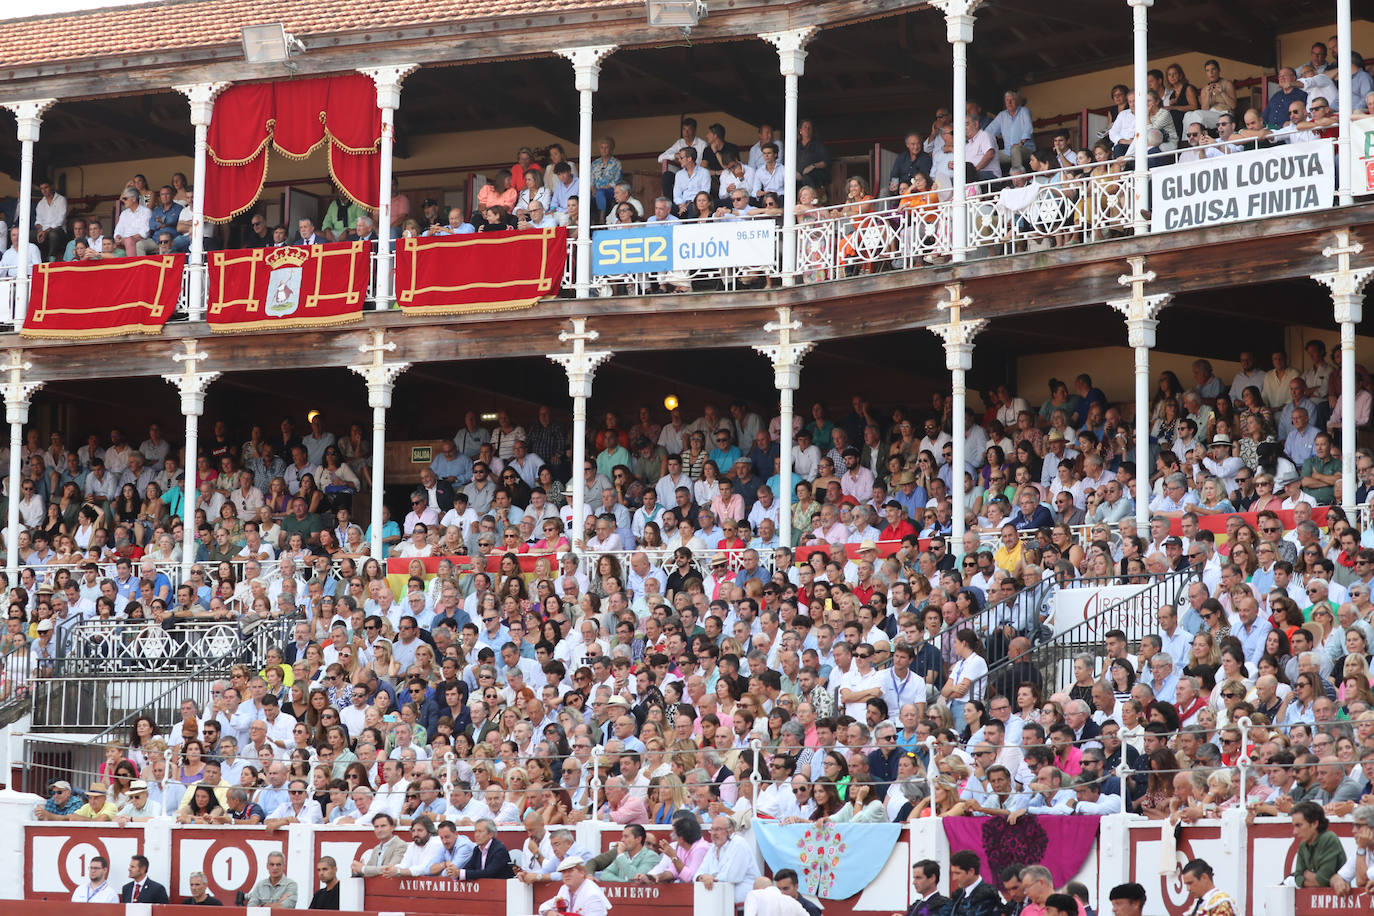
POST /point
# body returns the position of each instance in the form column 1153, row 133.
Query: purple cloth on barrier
column 1061, row 843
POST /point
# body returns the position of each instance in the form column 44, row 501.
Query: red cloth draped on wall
column 296, row 118
column 486, row 272
column 83, row 299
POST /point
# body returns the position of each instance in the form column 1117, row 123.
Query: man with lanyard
column 97, row 888
column 902, row 685
column 579, row 894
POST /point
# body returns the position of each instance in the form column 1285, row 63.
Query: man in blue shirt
column 1014, row 128
column 454, row 851
column 689, row 181
column 1276, row 110
column 725, row 454
column 909, row 495
column 451, row 465
column 164, row 217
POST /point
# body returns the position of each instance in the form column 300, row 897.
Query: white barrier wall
column 49, row 859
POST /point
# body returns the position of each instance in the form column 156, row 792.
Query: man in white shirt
column 668, row 159
column 736, row 177
column 934, row 440
column 1248, row 376
column 9, row 262
column 729, row 859
column 131, row 228
column 981, row 153
column 769, row 174
column 465, row 809
column 423, row 851
column 806, row 458
column 860, row 684
column 50, row 220
column 97, row 887
column 1122, row 131
column 777, row 800
column 301, row 809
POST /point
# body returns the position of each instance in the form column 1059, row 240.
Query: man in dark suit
column 436, row 490
column 296, row 648
column 142, row 889
column 973, row 896
column 364, row 230
column 490, row 859
column 306, row 234
column 925, row 879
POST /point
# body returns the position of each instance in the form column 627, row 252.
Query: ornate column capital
column 202, row 98
column 958, row 18
column 1146, row 4
column 581, row 363
column 379, row 374
column 785, row 355
column 586, row 63
column 18, row 390
column 1345, row 283
column 29, row 115
column 388, row 81
column 191, row 382
column 958, row 332
column 791, row 45
column 1140, row 308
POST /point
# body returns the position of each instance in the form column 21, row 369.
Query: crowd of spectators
column 634, row 683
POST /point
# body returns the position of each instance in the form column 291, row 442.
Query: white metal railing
column 1003, row 216
column 8, row 301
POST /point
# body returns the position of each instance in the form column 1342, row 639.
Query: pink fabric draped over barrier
column 296, row 117
column 1061, row 843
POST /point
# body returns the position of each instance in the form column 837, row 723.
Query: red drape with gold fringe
column 486, row 272
column 79, row 300
column 295, row 118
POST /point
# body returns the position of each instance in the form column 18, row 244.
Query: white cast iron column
column 786, row 357
column 192, row 384
column 388, row 80
column 1347, row 295
column 791, row 47
column 580, row 365
column 959, row 32
column 1139, row 310
column 958, row 336
column 586, row 76
column 202, row 99
column 1139, row 30
column 28, row 117
column 380, row 376
column 17, row 395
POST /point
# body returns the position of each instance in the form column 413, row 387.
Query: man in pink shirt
column 621, row 806
column 728, row 505
column 857, row 480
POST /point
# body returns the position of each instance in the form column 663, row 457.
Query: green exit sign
column 421, row 454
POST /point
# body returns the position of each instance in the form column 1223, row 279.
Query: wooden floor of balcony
column 1236, row 255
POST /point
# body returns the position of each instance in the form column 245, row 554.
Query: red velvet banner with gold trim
column 486, row 272
column 85, row 299
column 293, row 287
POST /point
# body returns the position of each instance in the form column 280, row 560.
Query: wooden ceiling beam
column 152, row 136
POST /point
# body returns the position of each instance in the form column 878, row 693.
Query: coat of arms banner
column 292, row 287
